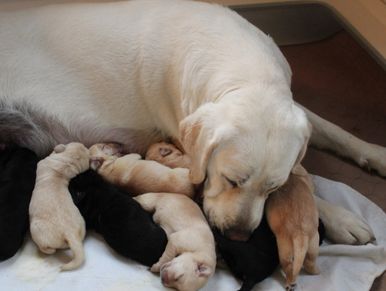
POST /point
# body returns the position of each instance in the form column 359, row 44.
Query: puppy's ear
column 200, row 134
column 203, row 270
column 59, row 148
column 96, row 163
column 164, row 151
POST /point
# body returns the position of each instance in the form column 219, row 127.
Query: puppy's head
column 185, row 273
column 101, row 152
column 242, row 151
column 73, row 158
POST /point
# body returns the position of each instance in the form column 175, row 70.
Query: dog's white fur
column 132, row 72
column 189, row 259
column 55, row 222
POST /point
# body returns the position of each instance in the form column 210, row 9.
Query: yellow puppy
column 55, row 222
column 138, row 176
column 293, row 217
column 189, row 259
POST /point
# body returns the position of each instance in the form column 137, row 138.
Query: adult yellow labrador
column 135, row 72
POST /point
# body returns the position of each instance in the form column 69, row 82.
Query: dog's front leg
column 326, row 135
column 343, row 226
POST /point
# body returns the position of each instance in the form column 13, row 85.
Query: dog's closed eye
column 231, row 182
column 236, row 183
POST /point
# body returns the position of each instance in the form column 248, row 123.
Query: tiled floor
column 338, row 80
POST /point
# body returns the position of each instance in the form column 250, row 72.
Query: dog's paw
column 374, row 158
column 344, row 227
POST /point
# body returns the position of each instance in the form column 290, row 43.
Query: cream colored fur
column 133, row 72
column 189, row 259
column 139, row 176
column 55, row 222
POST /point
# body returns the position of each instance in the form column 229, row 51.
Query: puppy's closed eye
column 178, row 277
column 203, row 270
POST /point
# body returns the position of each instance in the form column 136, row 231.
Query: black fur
column 250, row 261
column 17, row 180
column 125, row 226
column 256, row 259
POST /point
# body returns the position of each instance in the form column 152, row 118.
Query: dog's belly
column 50, row 94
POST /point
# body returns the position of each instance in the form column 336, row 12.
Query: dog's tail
column 76, row 247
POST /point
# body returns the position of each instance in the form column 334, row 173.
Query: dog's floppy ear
column 59, row 148
column 199, row 144
column 199, row 137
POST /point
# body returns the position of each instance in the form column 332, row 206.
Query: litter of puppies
column 103, row 190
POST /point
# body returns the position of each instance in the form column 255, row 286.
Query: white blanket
column 351, row 268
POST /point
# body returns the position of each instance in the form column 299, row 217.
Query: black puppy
column 251, row 261
column 17, row 180
column 256, row 259
column 126, row 227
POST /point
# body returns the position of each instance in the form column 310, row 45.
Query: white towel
column 351, row 268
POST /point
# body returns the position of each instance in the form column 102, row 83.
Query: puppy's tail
column 78, row 254
column 300, row 247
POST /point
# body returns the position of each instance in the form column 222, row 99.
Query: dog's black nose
column 239, row 235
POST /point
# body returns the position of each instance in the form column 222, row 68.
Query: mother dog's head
column 242, row 151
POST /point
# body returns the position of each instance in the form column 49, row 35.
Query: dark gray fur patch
column 39, row 131
column 22, row 125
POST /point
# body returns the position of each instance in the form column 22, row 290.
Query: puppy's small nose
column 238, row 235
column 165, row 278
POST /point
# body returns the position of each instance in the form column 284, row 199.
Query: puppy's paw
column 47, row 250
column 311, row 269
column 290, row 287
column 156, row 268
column 344, row 227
